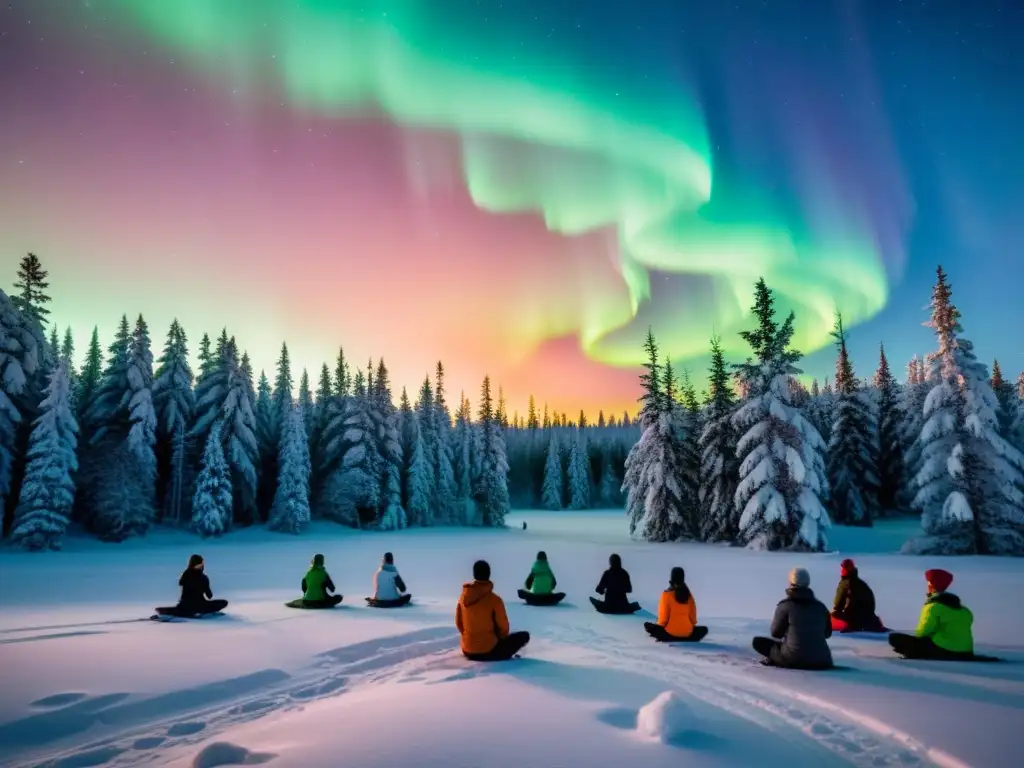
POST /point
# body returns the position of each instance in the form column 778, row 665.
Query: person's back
column 677, row 616
column 947, row 622
column 387, row 584
column 541, row 580
column 615, row 584
column 482, row 622
column 195, row 587
column 804, row 624
column 317, row 582
column 854, row 601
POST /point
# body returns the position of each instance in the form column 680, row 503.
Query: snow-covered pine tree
column 491, row 491
column 264, row 411
column 306, row 404
column 241, row 448
column 48, row 492
column 852, row 453
column 19, row 360
column 31, row 285
column 532, row 422
column 500, row 412
column 212, row 502
column 1009, row 415
column 552, row 490
column 290, row 511
column 426, row 422
column 969, row 483
column 686, row 418
column 88, row 381
column 282, row 395
column 719, row 475
column 889, row 419
column 635, row 481
column 912, row 405
column 52, row 351
column 610, row 493
column 391, row 514
column 445, row 509
column 419, row 481
column 1020, row 385
column 579, row 471
column 174, row 403
column 782, row 474
column 407, row 433
column 463, row 462
column 324, row 393
column 351, row 491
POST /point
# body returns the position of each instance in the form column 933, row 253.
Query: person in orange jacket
column 482, row 621
column 677, row 613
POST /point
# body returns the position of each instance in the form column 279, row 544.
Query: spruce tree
column 636, row 480
column 427, row 426
column 491, row 491
column 912, row 405
column 212, row 502
column 264, row 412
column 241, row 447
column 445, row 506
column 307, row 406
column 719, row 473
column 970, row 479
column 1009, row 416
column 174, row 403
column 463, row 463
column 324, row 393
column 419, row 480
column 579, row 472
column 342, row 376
column 611, row 484
column 31, row 285
column 282, row 397
column 67, row 356
column 532, row 422
column 852, row 456
column 407, row 432
column 88, row 383
column 781, row 467
column 19, row 361
column 48, row 492
column 686, row 421
column 501, row 414
column 391, row 514
column 553, row 489
column 143, row 424
column 889, row 461
column 290, row 511
column 351, row 491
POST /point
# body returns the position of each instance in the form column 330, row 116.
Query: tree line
column 765, row 462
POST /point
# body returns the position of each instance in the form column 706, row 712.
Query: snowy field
column 83, row 682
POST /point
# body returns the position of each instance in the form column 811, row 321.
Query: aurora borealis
column 516, row 188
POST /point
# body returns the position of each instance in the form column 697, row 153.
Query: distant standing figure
column 196, row 594
column 677, row 613
column 387, row 584
column 799, row 629
column 482, row 621
column 524, row 525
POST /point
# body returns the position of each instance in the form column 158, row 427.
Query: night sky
column 518, row 188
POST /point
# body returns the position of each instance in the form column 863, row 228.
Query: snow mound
column 666, row 719
column 225, row 753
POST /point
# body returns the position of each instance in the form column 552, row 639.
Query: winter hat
column 939, row 579
column 542, row 556
column 799, row 577
column 481, row 570
column 847, row 567
column 318, row 561
column 389, row 559
column 614, row 561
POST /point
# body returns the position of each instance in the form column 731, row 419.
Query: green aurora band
column 538, row 136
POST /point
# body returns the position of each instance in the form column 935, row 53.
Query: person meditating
column 854, row 605
column 196, row 595
column 615, row 585
column 316, row 586
column 800, row 628
column 944, row 630
column 482, row 621
column 677, row 613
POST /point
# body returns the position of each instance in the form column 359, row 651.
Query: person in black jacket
column 854, row 607
column 196, row 595
column 799, row 630
column 615, row 586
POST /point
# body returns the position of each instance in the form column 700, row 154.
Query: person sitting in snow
column 541, row 580
column 387, row 584
column 677, row 613
column 944, row 629
column 799, row 629
column 615, row 585
column 482, row 621
column 854, row 607
column 317, row 584
column 196, row 594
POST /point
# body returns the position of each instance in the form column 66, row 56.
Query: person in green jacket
column 316, row 586
column 944, row 630
column 541, row 580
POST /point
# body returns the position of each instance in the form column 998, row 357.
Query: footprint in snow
column 185, row 729
column 225, row 753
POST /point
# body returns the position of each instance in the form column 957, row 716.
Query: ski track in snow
column 139, row 731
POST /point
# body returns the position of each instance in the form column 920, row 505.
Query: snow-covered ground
column 84, row 683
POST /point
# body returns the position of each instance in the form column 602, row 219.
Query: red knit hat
column 939, row 578
column 847, row 567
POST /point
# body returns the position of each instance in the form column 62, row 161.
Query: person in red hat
column 854, row 607
column 944, row 629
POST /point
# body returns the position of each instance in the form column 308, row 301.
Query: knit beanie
column 318, row 561
column 847, row 567
column 939, row 579
column 799, row 577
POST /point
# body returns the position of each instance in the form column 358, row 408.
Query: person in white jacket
column 387, row 584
